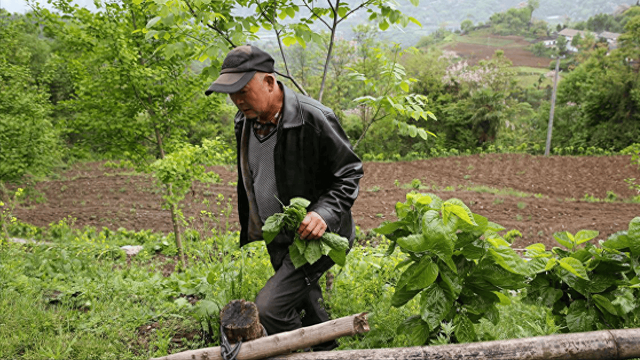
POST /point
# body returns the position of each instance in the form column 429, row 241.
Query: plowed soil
column 516, row 51
column 535, row 195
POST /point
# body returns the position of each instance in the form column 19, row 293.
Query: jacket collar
column 291, row 114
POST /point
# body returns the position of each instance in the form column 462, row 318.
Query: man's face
column 253, row 99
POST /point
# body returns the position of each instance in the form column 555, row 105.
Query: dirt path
column 107, row 197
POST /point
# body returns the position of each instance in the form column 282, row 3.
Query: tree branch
column 300, row 88
column 354, row 10
column 316, row 15
column 330, row 50
column 213, row 27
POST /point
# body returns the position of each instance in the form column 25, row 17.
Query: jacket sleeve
column 345, row 168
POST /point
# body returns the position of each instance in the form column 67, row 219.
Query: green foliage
column 28, row 141
column 461, row 267
column 458, row 275
column 588, row 288
column 304, row 251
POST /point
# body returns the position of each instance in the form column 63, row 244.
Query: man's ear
column 271, row 81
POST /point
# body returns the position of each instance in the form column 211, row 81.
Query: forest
column 108, row 144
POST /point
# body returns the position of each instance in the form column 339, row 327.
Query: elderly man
column 289, row 146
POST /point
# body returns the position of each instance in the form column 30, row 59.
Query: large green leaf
column 634, row 236
column 579, row 317
column 297, row 259
column 272, row 227
column 499, row 276
column 413, row 243
column 388, row 227
column 451, row 283
column 457, row 207
column 574, row 266
column 401, row 296
column 585, row 235
column 313, row 252
column 434, row 305
column 509, row 260
column 604, row 304
column 617, row 241
column 437, row 239
column 419, row 275
column 300, row 203
column 416, row 330
column 624, row 301
column 335, row 241
column 565, row 239
column 338, row 256
column 464, row 330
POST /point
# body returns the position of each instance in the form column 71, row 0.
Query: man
column 289, row 146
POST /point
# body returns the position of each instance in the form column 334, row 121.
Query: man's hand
column 312, row 227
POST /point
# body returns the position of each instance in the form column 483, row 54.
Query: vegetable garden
column 442, row 273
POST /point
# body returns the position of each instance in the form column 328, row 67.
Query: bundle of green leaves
column 304, row 251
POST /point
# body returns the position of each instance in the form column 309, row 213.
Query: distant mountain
column 434, row 14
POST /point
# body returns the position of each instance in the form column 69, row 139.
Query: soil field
column 535, row 195
column 514, row 49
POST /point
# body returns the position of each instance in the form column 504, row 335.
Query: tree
column 229, row 30
column 28, row 141
column 466, row 26
column 561, row 44
column 151, row 93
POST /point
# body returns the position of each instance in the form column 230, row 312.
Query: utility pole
column 553, row 106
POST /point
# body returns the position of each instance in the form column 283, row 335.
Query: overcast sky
column 20, row 6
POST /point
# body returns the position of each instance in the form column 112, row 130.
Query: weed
column 63, row 188
column 122, row 190
column 521, row 172
column 498, row 201
column 375, row 188
column 521, row 205
column 519, row 217
column 470, row 167
column 467, row 177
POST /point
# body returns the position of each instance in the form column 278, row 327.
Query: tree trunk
column 284, row 343
column 240, row 321
column 605, row 344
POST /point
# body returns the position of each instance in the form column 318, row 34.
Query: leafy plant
column 456, row 262
column 304, row 251
column 588, row 288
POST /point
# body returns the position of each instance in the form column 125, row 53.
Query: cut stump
column 241, row 322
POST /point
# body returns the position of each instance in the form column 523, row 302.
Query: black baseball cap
column 239, row 67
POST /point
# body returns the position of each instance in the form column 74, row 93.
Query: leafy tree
column 130, row 99
column 466, row 26
column 28, row 141
column 561, row 44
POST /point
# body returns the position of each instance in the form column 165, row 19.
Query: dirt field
column 500, row 187
column 514, row 48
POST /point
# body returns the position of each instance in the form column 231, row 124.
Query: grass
column 79, row 297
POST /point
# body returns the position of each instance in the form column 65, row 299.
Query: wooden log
column 284, row 343
column 595, row 345
column 240, row 321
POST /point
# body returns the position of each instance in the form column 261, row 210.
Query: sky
column 20, row 6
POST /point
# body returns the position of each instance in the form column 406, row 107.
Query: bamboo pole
column 604, row 344
column 284, row 343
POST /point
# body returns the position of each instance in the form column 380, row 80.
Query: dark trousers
column 290, row 291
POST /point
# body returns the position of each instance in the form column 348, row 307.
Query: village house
column 569, row 34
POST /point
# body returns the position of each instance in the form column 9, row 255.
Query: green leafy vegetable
column 301, row 251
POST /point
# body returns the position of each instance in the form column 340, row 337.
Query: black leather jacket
column 313, row 160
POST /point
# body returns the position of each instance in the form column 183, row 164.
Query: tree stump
column 240, row 321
